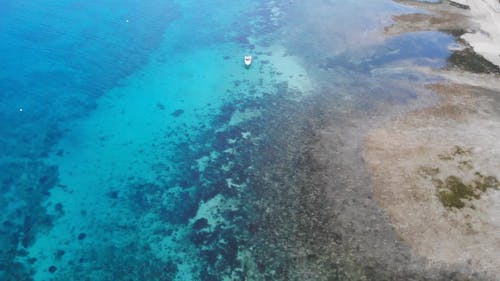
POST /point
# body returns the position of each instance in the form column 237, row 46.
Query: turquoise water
column 135, row 145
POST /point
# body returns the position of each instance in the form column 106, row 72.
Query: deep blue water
column 129, row 129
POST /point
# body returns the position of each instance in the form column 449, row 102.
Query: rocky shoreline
column 475, row 23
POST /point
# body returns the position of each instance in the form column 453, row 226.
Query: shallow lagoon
column 146, row 151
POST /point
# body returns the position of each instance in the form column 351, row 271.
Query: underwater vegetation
column 454, row 191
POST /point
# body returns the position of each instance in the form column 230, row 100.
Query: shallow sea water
column 134, row 144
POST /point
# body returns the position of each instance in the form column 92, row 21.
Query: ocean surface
column 135, row 145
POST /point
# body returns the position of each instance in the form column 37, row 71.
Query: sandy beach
column 485, row 38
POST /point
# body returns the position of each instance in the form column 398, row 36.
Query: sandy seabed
column 407, row 157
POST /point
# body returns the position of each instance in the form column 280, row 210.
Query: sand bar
column 486, row 40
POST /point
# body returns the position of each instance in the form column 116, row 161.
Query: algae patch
column 457, row 151
column 454, row 191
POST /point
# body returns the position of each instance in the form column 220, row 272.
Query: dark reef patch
column 200, row 224
column 469, row 60
column 113, row 194
column 59, row 254
column 52, row 269
column 59, row 209
column 28, row 182
column 131, row 262
column 82, row 236
column 177, row 113
column 160, row 106
column 455, row 32
column 226, row 112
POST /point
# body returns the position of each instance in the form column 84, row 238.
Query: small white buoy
column 126, row 20
column 20, row 109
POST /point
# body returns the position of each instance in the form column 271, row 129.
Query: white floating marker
column 126, row 20
column 20, row 109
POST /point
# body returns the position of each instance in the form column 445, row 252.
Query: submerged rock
column 177, row 113
column 52, row 269
column 82, row 236
column 460, row 4
column 200, row 224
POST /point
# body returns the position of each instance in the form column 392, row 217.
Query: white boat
column 248, row 60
